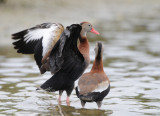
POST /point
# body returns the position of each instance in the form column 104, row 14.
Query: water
column 130, row 32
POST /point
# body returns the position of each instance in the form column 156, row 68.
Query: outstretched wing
column 27, row 40
column 65, row 53
column 56, row 57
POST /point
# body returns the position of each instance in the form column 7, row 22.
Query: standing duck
column 66, row 60
column 41, row 39
column 94, row 85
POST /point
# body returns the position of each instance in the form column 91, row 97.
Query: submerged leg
column 83, row 103
column 60, row 94
column 69, row 91
column 68, row 101
column 99, row 103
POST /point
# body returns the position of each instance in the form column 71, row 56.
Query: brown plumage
column 90, row 81
column 94, row 85
column 84, row 48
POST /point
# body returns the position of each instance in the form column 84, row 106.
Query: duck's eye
column 89, row 25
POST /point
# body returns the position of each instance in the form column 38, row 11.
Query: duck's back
column 93, row 82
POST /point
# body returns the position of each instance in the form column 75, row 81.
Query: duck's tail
column 56, row 82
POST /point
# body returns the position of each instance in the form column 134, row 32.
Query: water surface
column 130, row 32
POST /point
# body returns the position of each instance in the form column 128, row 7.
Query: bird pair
column 55, row 49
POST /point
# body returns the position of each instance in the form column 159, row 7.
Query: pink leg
column 59, row 100
column 68, row 101
column 60, row 94
column 99, row 103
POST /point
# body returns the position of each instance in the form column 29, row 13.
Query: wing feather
column 56, row 58
column 26, row 40
column 65, row 53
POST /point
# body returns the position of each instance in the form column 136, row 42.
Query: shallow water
column 131, row 60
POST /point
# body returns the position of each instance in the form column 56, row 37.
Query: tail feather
column 55, row 83
column 87, row 98
column 50, row 85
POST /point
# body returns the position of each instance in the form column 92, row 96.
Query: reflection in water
column 131, row 58
column 72, row 111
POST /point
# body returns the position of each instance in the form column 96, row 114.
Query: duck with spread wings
column 41, row 39
column 63, row 58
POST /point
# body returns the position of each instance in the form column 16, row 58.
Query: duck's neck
column 84, row 47
column 97, row 65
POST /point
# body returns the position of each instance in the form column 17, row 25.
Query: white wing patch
column 102, row 86
column 48, row 39
column 34, row 34
column 48, row 35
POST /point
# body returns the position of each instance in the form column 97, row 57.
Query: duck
column 67, row 61
column 93, row 86
column 41, row 39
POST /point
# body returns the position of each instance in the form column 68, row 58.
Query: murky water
column 130, row 32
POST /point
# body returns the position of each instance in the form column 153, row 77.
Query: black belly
column 63, row 80
column 94, row 96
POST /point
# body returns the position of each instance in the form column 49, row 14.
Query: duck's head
column 87, row 27
column 98, row 50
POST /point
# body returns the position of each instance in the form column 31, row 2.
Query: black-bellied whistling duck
column 94, row 85
column 40, row 40
column 66, row 60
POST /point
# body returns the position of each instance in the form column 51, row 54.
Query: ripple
column 131, row 58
